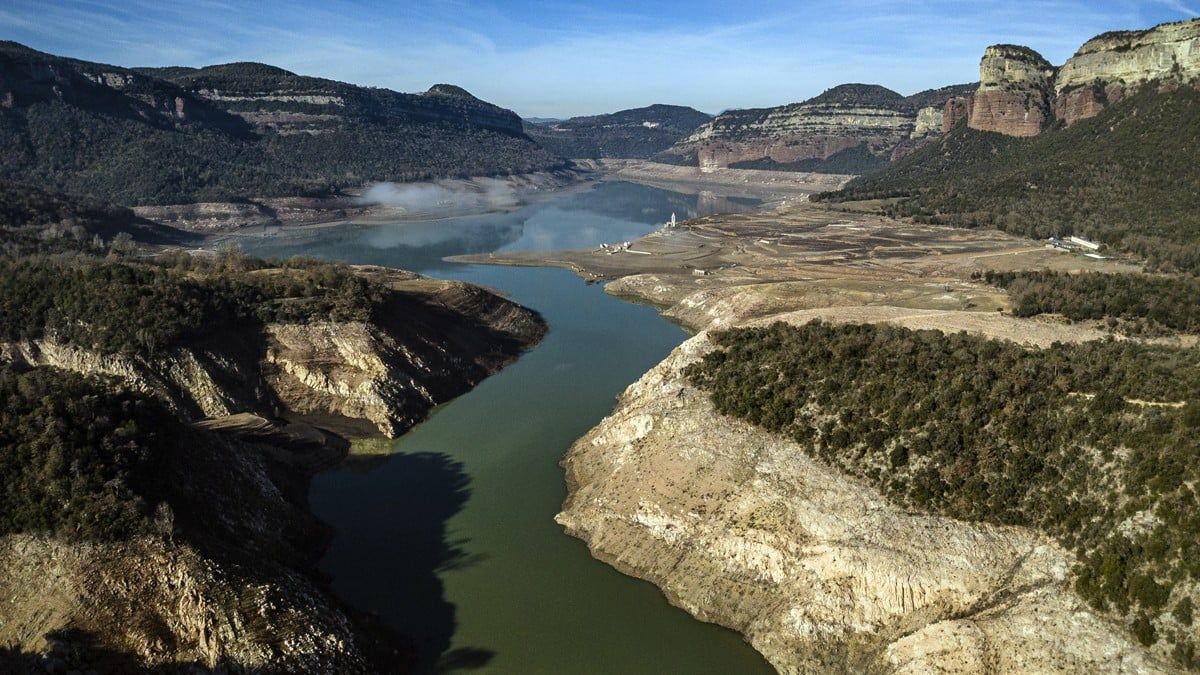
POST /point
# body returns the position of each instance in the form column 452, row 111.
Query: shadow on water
column 425, row 490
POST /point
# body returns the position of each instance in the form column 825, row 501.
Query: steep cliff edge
column 153, row 490
column 433, row 340
column 850, row 128
column 237, row 131
column 1021, row 94
column 1014, row 95
column 820, row 572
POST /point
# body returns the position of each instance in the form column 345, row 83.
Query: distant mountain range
column 236, row 131
column 638, row 133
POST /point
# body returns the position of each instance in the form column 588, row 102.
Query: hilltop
column 136, row 136
column 637, row 133
column 848, row 129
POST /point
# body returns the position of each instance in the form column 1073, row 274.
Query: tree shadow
column 388, row 558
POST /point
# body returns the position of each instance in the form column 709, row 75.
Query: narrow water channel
column 451, row 536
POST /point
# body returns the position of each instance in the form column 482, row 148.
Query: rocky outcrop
column 1014, row 95
column 221, row 573
column 929, row 121
column 225, row 583
column 436, row 340
column 1020, row 93
column 955, row 110
column 867, row 120
column 277, row 99
column 819, row 573
column 1130, row 58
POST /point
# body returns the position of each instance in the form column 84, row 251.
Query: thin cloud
column 556, row 58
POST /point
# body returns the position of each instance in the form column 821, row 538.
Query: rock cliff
column 848, row 129
column 273, row 98
column 1020, row 93
column 437, row 340
column 238, row 131
column 226, row 584
column 1134, row 57
column 818, row 572
column 220, row 573
column 1014, row 95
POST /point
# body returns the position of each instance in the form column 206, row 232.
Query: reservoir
column 447, row 533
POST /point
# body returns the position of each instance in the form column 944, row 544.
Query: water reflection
column 603, row 213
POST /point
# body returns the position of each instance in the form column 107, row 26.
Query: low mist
column 480, row 194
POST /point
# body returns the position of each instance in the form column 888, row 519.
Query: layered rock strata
column 1014, row 95
column 819, row 573
column 866, row 119
column 436, row 340
column 1021, row 94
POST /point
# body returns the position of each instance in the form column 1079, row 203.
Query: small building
column 1084, row 243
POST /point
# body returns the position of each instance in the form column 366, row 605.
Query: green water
column 451, row 539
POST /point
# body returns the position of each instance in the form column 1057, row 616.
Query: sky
column 559, row 58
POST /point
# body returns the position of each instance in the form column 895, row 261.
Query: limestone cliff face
column 224, row 576
column 1020, row 94
column 224, row 584
column 819, row 573
column 221, row 577
column 436, row 340
column 273, row 98
column 1014, row 95
column 1134, row 57
column 929, row 121
column 862, row 118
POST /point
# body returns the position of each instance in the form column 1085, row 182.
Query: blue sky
column 559, row 57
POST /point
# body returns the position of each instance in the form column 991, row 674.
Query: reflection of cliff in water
column 709, row 203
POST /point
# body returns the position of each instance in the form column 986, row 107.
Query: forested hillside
column 236, row 132
column 1094, row 443
column 1126, row 177
column 639, row 133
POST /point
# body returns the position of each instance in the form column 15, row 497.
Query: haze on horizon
column 547, row 58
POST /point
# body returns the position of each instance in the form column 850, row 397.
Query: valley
column 306, row 375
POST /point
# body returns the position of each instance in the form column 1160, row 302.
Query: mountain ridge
column 237, row 131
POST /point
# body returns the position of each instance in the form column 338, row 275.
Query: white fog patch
column 480, row 194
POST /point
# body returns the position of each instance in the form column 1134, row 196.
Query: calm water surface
column 451, row 538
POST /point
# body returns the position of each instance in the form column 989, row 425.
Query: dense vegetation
column 622, row 134
column 1063, row 439
column 1142, row 303
column 73, row 455
column 1127, row 178
column 36, row 221
column 67, row 133
column 144, row 307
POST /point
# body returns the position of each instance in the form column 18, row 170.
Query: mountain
column 236, row 131
column 1105, row 147
column 638, row 133
column 1021, row 94
column 851, row 128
